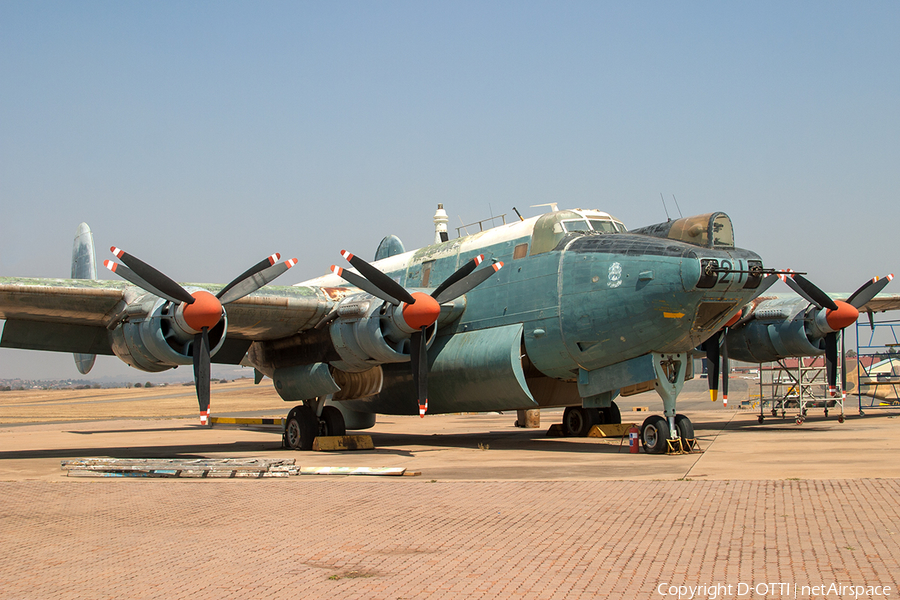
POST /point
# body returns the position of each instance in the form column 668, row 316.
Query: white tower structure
column 440, row 225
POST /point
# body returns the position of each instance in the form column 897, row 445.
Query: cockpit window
column 579, row 225
column 551, row 227
column 604, row 226
column 722, row 231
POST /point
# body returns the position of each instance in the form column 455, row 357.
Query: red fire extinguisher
column 633, row 444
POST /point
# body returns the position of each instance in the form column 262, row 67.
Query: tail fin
column 84, row 266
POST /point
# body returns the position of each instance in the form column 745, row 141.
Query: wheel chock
column 681, row 445
column 612, row 430
column 330, row 443
column 556, row 430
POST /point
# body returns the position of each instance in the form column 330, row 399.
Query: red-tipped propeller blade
column 459, row 274
column 726, row 368
column 156, row 280
column 810, row 292
column 831, row 352
column 418, row 357
column 254, row 281
column 868, row 290
column 132, row 277
column 378, row 279
column 202, row 373
column 363, row 284
column 263, row 264
column 467, row 284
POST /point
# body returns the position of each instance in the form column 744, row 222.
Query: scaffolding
column 798, row 383
column 877, row 370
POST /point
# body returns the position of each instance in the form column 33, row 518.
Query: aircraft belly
column 472, row 371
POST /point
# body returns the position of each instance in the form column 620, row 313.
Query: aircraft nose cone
column 204, row 312
column 844, row 316
column 423, row 313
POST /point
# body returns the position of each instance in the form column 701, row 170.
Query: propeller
column 835, row 315
column 200, row 311
column 418, row 309
column 716, row 347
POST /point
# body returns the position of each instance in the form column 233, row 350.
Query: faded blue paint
column 470, row 371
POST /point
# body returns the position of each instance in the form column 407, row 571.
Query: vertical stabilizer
column 84, row 266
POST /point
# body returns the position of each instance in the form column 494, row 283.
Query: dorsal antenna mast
column 668, row 218
column 678, row 207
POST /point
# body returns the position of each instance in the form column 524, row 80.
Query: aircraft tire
column 300, row 429
column 611, row 415
column 577, row 421
column 685, row 427
column 654, row 433
column 334, row 421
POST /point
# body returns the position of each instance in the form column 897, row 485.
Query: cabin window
column 520, row 251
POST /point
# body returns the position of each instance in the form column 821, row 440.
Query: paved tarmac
column 777, row 510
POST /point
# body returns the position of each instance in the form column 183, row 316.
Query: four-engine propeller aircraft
column 581, row 311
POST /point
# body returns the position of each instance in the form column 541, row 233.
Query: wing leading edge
column 72, row 315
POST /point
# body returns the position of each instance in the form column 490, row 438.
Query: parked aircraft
column 581, row 311
column 773, row 327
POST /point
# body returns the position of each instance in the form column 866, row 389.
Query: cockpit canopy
column 712, row 230
column 553, row 226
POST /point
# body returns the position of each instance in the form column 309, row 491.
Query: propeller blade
column 202, row 373
column 868, row 290
column 254, row 281
column 811, row 292
column 418, row 358
column 154, row 278
column 831, row 350
column 764, row 285
column 459, row 274
column 843, row 369
column 263, row 264
column 725, row 369
column 712, row 365
column 467, row 283
column 363, row 284
column 378, row 279
column 132, row 277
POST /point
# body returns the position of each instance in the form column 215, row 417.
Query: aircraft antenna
column 521, row 218
column 668, row 218
column 678, row 207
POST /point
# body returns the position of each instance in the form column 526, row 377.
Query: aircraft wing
column 879, row 303
column 72, row 315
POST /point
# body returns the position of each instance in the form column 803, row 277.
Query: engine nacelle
column 151, row 338
column 369, row 332
column 775, row 332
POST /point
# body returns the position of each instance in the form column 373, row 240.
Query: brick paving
column 410, row 538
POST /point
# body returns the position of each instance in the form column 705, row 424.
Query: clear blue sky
column 203, row 136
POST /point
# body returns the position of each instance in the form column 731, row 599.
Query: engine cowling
column 369, row 332
column 775, row 332
column 153, row 336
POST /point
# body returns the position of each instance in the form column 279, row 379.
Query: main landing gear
column 577, row 420
column 672, row 432
column 307, row 421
